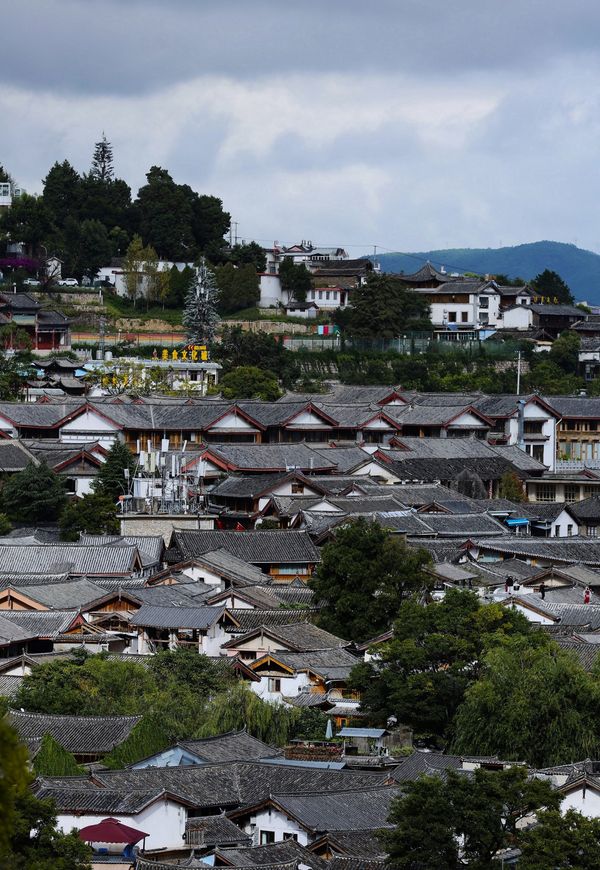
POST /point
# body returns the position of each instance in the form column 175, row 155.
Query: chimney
column 521, row 424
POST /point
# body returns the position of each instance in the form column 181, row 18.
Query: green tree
column 14, row 780
column 62, row 188
column 180, row 283
column 87, row 685
column 364, row 576
column 95, row 514
column 95, row 248
column 34, row 494
column 28, row 220
column 102, row 161
column 107, row 202
column 250, row 382
column 527, row 688
column 251, row 253
column 384, row 308
column 565, row 352
column 447, row 823
column 132, row 268
column 240, row 707
column 238, row 287
column 12, row 372
column 468, row 482
column 511, row 487
column 149, row 736
column 35, row 843
column 239, row 348
column 165, row 215
column 209, row 223
column 551, row 286
column 112, row 480
column 547, row 377
column 563, row 842
column 52, row 759
column 422, row 673
column 294, row 279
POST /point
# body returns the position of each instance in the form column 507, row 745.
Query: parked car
column 32, row 282
column 68, row 282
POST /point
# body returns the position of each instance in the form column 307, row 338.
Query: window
column 592, row 531
column 570, row 530
column 464, row 316
column 557, row 531
column 484, row 302
column 297, row 488
column 571, row 492
column 327, row 294
column 545, row 492
column 267, row 837
column 452, row 317
column 537, row 452
column 274, row 686
column 288, row 836
column 320, row 294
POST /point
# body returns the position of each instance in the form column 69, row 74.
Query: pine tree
column 102, row 161
column 200, row 317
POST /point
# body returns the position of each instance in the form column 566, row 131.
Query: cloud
column 410, row 124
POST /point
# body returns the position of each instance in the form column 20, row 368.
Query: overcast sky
column 410, row 124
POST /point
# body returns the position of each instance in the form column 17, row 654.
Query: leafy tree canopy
column 364, row 576
column 111, row 480
column 530, row 688
column 94, row 514
column 424, row 670
column 34, row 494
column 238, row 287
column 294, row 279
column 447, row 823
column 239, row 348
column 550, row 284
column 384, row 308
column 250, row 382
column 52, row 759
column 511, row 487
column 563, row 842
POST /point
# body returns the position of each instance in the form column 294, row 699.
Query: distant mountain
column 579, row 268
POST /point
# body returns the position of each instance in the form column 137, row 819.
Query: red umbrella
column 111, row 831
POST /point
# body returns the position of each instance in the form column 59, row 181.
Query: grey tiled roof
column 568, row 550
column 73, row 558
column 150, row 547
column 40, row 623
column 424, row 763
column 259, row 548
column 231, row 567
column 331, row 664
column 272, row 457
column 463, row 525
column 13, row 632
column 99, row 800
column 218, row 831
column 156, row 616
column 59, row 596
column 10, row 685
column 14, row 456
column 79, row 734
column 230, row 784
column 273, row 853
column 249, row 619
column 363, row 843
column 587, row 509
column 586, row 653
column 341, row 811
column 300, row 637
column 233, row 746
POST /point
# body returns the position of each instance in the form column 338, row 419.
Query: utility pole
column 519, row 373
column 235, row 235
